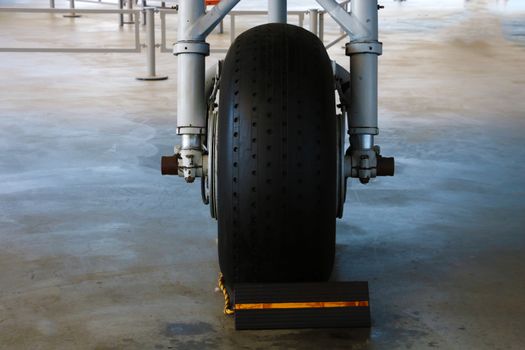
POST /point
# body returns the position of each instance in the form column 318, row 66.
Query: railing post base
column 151, row 46
column 156, row 77
column 72, row 7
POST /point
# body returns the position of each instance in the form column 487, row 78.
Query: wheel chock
column 301, row 305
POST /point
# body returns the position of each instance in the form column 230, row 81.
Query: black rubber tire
column 276, row 152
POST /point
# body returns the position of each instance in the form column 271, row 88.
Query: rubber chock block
column 301, row 305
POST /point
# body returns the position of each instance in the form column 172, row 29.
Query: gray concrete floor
column 97, row 250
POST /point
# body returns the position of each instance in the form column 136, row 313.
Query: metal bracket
column 355, row 47
column 187, row 46
column 339, row 14
column 205, row 24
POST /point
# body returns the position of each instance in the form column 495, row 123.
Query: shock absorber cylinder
column 191, row 111
column 364, row 49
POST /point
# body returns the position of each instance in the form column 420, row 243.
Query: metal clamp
column 363, row 130
column 355, row 47
column 197, row 47
column 191, row 130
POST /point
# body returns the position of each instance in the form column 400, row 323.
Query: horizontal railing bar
column 218, row 50
column 166, row 10
column 329, row 45
column 99, row 2
column 259, row 12
column 68, row 50
column 76, row 10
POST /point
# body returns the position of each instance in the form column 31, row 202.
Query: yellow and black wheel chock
column 298, row 305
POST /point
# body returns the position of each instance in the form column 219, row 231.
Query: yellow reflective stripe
column 304, row 305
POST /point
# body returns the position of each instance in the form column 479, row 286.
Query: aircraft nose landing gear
column 261, row 130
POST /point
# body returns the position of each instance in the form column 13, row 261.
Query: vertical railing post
column 163, row 31
column 321, row 25
column 301, row 20
column 314, row 26
column 72, row 14
column 232, row 27
column 144, row 19
column 121, row 15
column 129, row 6
column 52, row 4
column 151, row 46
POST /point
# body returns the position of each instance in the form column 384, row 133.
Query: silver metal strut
column 362, row 159
column 191, row 49
column 277, row 11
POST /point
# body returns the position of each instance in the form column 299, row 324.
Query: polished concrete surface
column 98, row 251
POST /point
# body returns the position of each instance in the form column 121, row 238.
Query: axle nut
column 169, row 165
column 385, row 166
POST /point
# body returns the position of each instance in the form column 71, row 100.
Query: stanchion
column 121, row 15
column 129, row 6
column 144, row 5
column 150, row 46
column 321, row 25
column 72, row 7
column 314, row 26
column 52, row 4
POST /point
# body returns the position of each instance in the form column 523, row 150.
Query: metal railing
column 316, row 25
column 136, row 49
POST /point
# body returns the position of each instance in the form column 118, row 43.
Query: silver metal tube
column 205, row 24
column 301, row 20
column 121, row 15
column 163, row 32
column 189, row 13
column 314, row 26
column 52, row 4
column 150, row 45
column 363, row 111
column 144, row 19
column 191, row 142
column 150, row 40
column 341, row 16
column 365, row 13
column 137, row 35
column 362, row 141
column 321, row 25
column 232, row 28
column 363, row 65
column 345, row 6
column 277, row 11
column 191, row 102
column 130, row 7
